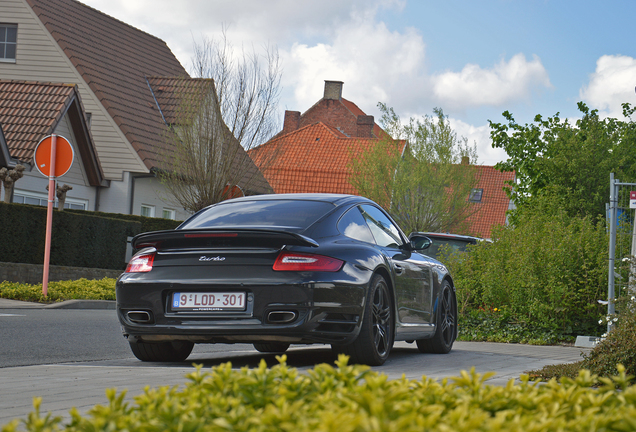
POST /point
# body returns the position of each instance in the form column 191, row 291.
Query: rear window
column 296, row 215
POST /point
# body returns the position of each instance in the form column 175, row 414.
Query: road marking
column 3, row 315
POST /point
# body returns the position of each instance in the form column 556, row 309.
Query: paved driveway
column 82, row 384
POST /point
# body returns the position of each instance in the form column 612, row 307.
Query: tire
column 176, row 351
column 446, row 324
column 271, row 347
column 374, row 343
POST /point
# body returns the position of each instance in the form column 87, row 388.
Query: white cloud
column 250, row 22
column 611, row 85
column 343, row 40
column 481, row 136
column 505, row 83
column 374, row 63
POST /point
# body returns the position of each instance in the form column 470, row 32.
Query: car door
column 412, row 271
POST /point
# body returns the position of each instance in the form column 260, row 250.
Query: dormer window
column 8, row 42
column 475, row 195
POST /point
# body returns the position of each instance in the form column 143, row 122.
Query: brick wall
column 32, row 273
column 333, row 113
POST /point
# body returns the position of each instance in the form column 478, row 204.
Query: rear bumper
column 310, row 312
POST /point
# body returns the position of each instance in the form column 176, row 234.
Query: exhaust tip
column 142, row 317
column 281, row 317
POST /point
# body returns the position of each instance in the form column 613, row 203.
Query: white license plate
column 208, row 301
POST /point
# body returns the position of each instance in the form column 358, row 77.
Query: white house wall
column 149, row 191
column 114, row 199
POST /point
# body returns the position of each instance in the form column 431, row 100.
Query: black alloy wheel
column 377, row 333
column 446, row 324
column 175, row 351
column 271, row 347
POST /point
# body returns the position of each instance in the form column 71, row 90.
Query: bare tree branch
column 228, row 109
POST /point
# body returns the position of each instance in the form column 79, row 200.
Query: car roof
column 336, row 199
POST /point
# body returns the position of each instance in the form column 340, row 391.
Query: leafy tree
column 417, row 175
column 229, row 109
column 555, row 157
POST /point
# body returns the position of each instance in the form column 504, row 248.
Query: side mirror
column 419, row 241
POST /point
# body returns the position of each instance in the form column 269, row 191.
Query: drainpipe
column 97, row 191
column 134, row 177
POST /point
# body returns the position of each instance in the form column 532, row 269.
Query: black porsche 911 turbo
column 275, row 270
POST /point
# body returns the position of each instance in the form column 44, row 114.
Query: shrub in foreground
column 83, row 289
column 354, row 398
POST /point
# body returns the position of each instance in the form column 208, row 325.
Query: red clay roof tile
column 29, row 111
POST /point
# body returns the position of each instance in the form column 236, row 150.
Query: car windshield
column 295, row 215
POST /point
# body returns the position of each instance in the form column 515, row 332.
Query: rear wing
column 221, row 237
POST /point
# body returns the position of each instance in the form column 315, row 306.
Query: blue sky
column 473, row 59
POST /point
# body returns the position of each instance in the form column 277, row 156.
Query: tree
column 558, row 158
column 247, row 87
column 418, row 175
column 228, row 109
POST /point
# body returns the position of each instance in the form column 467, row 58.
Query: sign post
column 53, row 158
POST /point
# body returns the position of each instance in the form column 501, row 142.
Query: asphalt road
column 69, row 357
column 47, row 336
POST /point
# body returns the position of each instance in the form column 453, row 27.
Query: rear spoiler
column 221, row 237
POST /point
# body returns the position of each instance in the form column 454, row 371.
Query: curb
column 69, row 304
column 84, row 304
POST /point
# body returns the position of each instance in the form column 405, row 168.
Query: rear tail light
column 142, row 262
column 290, row 261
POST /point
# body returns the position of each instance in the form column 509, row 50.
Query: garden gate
column 622, row 244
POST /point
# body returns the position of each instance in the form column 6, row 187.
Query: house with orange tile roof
column 313, row 150
column 490, row 201
column 123, row 76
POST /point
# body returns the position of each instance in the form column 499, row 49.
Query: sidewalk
column 69, row 304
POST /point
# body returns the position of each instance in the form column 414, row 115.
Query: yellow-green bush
column 354, row 398
column 85, row 289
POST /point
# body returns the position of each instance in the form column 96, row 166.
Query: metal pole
column 49, row 217
column 631, row 285
column 612, row 246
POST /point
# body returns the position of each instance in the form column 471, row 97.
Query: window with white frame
column 147, row 210
column 8, row 42
column 34, row 198
column 168, row 214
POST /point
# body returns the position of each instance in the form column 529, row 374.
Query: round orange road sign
column 64, row 156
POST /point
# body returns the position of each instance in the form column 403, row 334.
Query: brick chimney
column 292, row 121
column 365, row 126
column 465, row 160
column 333, row 90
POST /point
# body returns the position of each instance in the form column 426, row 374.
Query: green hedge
column 354, row 399
column 78, row 240
column 147, row 223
